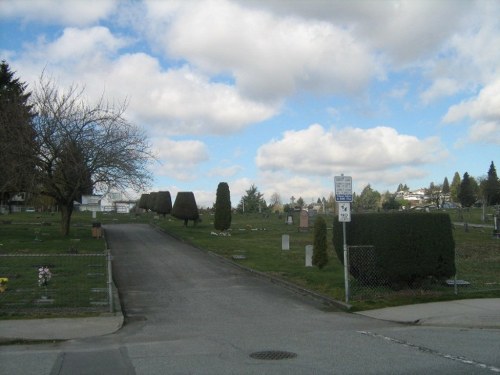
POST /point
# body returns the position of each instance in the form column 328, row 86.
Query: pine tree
column 466, row 194
column 253, row 201
column 320, row 246
column 491, row 186
column 222, row 219
column 17, row 145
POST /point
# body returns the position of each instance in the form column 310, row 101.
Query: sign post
column 343, row 195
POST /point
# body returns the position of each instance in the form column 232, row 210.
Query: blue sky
column 278, row 93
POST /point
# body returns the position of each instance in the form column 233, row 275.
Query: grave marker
column 285, row 242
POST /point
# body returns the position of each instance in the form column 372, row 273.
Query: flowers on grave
column 44, row 276
column 3, row 284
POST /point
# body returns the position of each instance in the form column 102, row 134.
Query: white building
column 109, row 202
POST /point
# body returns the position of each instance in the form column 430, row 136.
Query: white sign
column 345, row 212
column 343, row 188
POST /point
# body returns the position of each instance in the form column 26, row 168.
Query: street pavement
column 189, row 312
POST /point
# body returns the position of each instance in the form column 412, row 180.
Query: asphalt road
column 188, row 312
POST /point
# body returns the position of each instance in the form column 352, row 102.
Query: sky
column 281, row 94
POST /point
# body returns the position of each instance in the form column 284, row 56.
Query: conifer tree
column 17, row 150
column 320, row 246
column 455, row 187
column 222, row 219
column 466, row 192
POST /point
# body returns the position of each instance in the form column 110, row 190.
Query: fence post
column 110, row 281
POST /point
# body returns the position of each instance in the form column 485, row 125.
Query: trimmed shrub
column 222, row 219
column 320, row 255
column 185, row 207
column 143, row 201
column 409, row 247
column 163, row 203
column 152, row 201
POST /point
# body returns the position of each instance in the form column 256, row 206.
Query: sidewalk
column 59, row 328
column 472, row 313
column 467, row 313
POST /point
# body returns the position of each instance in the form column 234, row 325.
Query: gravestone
column 309, row 255
column 289, row 219
column 94, row 214
column 304, row 220
column 285, row 242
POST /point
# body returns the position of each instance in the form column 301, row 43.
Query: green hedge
column 409, row 247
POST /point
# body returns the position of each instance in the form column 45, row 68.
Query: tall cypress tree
column 222, row 219
column 455, row 187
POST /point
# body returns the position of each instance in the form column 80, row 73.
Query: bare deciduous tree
column 82, row 147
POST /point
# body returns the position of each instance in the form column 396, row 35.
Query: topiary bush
column 163, row 203
column 409, row 247
column 185, row 207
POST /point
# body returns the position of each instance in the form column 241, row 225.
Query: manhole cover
column 273, row 355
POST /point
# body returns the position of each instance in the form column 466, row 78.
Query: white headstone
column 289, row 219
column 309, row 255
column 285, row 242
column 94, row 214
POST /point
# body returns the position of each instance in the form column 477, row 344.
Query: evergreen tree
column 491, row 187
column 446, row 186
column 455, row 187
column 252, row 201
column 222, row 219
column 369, row 199
column 17, row 145
column 466, row 192
column 320, row 247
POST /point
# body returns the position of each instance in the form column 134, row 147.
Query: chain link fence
column 40, row 283
column 473, row 275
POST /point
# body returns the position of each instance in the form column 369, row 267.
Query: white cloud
column 74, row 12
column 174, row 101
column 269, row 57
column 370, row 153
column 404, row 31
column 484, row 111
column 442, row 87
column 179, row 159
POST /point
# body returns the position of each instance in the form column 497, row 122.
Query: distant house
column 109, row 202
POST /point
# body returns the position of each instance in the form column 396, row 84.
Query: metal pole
column 346, row 266
column 110, row 281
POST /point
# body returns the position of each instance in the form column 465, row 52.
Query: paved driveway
column 188, row 312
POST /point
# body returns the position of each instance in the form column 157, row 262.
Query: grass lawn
column 79, row 280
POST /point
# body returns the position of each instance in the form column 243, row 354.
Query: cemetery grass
column 39, row 233
column 257, row 239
